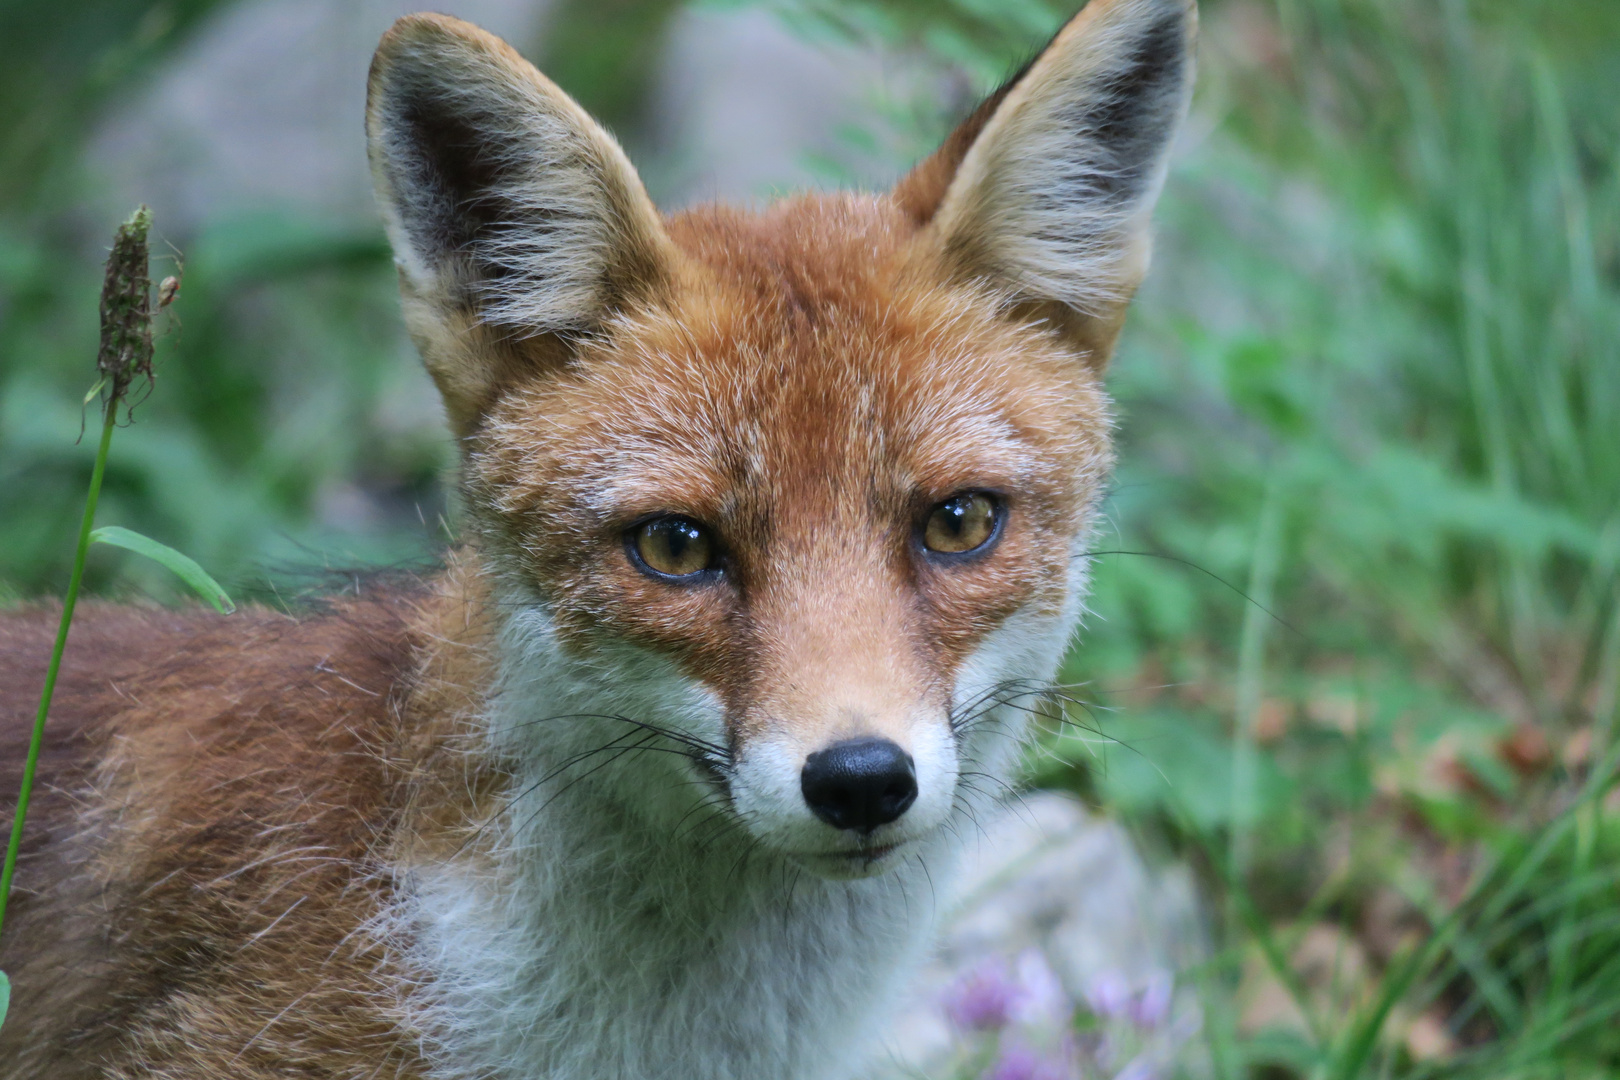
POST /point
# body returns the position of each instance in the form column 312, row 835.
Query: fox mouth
column 867, row 854
column 867, row 860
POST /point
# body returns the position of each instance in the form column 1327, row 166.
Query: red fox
column 777, row 527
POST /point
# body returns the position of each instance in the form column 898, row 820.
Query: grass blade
column 184, row 566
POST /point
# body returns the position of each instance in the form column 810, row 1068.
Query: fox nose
column 859, row 783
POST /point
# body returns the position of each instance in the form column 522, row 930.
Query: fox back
column 776, row 534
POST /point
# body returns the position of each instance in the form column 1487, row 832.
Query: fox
column 776, row 531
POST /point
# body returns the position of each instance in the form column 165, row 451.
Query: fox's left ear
column 516, row 221
column 1044, row 192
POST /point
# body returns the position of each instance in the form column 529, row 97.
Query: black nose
column 859, row 783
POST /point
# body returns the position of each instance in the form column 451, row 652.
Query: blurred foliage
column 283, row 439
column 605, row 53
column 62, row 63
column 278, row 440
column 1355, row 647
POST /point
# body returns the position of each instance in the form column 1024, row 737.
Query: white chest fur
column 597, row 958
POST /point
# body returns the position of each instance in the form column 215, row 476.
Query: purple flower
column 1041, row 998
column 1022, row 1063
column 1108, row 995
column 981, row 999
column 1111, row 997
column 1151, row 1007
column 994, row 994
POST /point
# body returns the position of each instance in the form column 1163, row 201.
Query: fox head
column 799, row 495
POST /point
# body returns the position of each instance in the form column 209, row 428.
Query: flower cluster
column 1015, row 1021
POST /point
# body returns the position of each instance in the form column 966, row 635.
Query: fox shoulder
column 201, row 849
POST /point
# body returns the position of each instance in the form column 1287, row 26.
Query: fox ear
column 1044, row 192
column 513, row 215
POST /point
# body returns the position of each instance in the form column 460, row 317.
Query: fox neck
column 597, row 958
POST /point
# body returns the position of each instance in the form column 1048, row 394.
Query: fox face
column 787, row 510
column 830, row 504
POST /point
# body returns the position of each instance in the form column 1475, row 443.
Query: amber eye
column 962, row 523
column 672, row 546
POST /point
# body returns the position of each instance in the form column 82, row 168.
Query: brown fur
column 224, row 773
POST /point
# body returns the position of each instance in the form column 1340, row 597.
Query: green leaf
column 183, row 565
column 5, row 997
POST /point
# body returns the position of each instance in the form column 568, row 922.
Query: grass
column 1376, row 377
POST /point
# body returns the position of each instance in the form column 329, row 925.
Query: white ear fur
column 503, row 199
column 1050, row 202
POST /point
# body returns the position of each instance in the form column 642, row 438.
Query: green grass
column 123, row 362
column 1385, row 320
column 288, row 393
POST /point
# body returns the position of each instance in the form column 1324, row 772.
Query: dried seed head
column 126, row 312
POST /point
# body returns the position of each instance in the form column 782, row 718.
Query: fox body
column 777, row 529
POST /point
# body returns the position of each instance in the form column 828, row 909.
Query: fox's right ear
column 516, row 220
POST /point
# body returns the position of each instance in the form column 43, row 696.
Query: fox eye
column 671, row 547
column 962, row 523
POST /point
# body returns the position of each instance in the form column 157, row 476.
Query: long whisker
column 1208, row 573
column 682, row 737
column 709, row 757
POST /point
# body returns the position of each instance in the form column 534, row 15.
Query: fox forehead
column 805, row 372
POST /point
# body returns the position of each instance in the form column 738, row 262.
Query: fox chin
column 776, row 535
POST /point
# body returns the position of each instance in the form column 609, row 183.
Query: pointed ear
column 1044, row 192
column 513, row 215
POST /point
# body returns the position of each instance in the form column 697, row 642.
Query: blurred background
column 1354, row 651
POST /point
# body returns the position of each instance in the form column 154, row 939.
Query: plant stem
column 1244, row 806
column 38, row 739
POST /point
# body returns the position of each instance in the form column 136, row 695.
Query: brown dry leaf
column 1577, row 748
column 1331, row 965
column 1391, row 924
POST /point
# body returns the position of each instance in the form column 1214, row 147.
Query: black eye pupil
column 678, row 536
